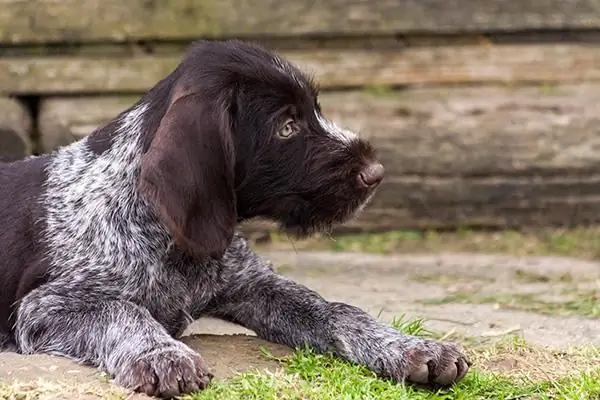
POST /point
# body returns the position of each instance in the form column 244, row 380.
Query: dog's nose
column 372, row 174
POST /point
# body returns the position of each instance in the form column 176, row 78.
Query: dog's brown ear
column 187, row 175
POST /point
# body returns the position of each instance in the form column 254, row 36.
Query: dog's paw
column 165, row 373
column 427, row 363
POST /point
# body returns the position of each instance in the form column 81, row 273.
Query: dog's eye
column 288, row 129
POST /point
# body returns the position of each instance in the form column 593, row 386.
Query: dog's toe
column 420, row 374
column 437, row 364
column 167, row 374
column 448, row 375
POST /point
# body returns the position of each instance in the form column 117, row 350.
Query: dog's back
column 21, row 264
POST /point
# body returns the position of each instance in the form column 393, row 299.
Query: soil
column 386, row 286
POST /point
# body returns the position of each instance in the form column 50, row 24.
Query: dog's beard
column 313, row 221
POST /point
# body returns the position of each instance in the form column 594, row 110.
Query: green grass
column 508, row 369
column 306, row 375
column 309, row 376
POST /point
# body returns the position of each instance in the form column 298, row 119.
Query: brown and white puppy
column 112, row 245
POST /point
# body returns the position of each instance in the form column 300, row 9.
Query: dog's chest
column 180, row 292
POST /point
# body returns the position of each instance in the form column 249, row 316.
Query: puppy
column 114, row 244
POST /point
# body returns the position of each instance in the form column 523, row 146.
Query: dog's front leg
column 282, row 311
column 117, row 336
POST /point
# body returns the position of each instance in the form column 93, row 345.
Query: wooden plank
column 454, row 132
column 428, row 193
column 558, row 214
column 72, row 75
column 64, row 120
column 481, row 131
column 43, row 21
column 447, row 203
column 334, row 68
column 15, row 130
column 487, row 156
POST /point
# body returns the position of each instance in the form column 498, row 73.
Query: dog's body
column 114, row 244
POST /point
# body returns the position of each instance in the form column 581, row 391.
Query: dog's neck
column 91, row 194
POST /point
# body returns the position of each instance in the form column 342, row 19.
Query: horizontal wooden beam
column 45, row 21
column 64, row 120
column 334, row 68
column 486, row 131
column 484, row 156
column 558, row 214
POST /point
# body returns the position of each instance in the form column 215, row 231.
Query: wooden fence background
column 486, row 113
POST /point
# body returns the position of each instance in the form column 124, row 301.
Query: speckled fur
column 119, row 293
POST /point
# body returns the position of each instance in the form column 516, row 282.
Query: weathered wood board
column 334, row 68
column 15, row 130
column 560, row 214
column 487, row 156
column 43, row 21
column 64, row 120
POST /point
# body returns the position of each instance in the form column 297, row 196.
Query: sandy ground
column 386, row 287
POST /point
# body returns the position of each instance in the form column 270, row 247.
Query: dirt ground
column 468, row 295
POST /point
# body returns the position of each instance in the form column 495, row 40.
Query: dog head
column 242, row 135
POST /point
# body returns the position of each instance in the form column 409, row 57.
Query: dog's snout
column 372, row 174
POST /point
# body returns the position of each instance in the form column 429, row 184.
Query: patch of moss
column 581, row 242
column 584, row 303
column 379, row 90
